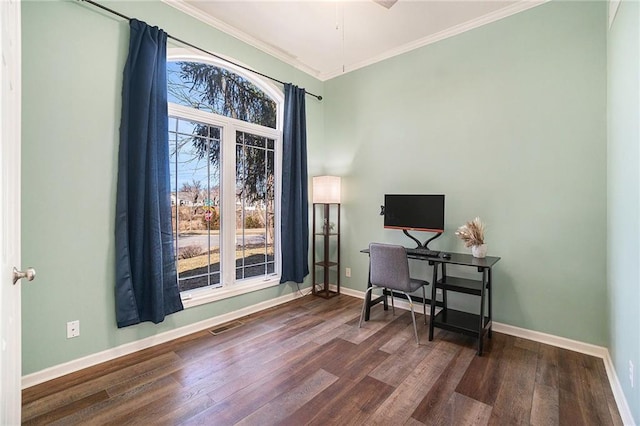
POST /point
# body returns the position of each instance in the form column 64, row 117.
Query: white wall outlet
column 347, row 272
column 73, row 329
column 631, row 372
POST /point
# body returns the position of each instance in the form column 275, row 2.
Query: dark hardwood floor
column 307, row 362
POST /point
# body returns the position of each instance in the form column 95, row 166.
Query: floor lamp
column 326, row 193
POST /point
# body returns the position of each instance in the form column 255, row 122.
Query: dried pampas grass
column 472, row 233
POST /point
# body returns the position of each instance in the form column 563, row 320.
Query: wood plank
column 365, row 397
column 580, row 398
column 221, row 384
column 116, row 410
column 278, row 408
column 545, row 406
column 398, row 341
column 482, row 379
column 291, row 365
column 435, row 402
column 339, row 392
column 393, row 370
column 512, row 405
column 611, row 401
column 248, row 355
column 526, row 344
column 547, row 371
column 63, row 383
column 236, row 402
column 407, row 396
column 170, row 410
column 377, row 322
column 94, row 383
column 462, row 410
column 67, row 410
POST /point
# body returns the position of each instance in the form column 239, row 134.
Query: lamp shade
column 326, row 189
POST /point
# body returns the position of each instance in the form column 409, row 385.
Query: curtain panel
column 294, row 202
column 146, row 280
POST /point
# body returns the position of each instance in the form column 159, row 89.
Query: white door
column 10, row 340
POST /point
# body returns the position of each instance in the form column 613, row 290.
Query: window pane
column 219, row 91
column 254, row 205
column 195, row 195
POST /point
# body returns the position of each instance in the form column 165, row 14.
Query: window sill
column 203, row 296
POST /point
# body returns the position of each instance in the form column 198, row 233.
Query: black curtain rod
column 98, row 5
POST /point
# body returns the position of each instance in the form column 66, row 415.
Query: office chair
column 389, row 269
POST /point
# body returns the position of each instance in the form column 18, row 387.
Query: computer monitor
column 414, row 212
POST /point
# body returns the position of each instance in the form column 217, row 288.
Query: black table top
column 455, row 259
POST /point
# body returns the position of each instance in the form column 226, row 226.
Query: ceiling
column 326, row 38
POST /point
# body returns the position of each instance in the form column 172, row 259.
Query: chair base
column 413, row 316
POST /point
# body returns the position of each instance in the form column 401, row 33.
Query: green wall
column 509, row 121
column 623, row 155
column 73, row 58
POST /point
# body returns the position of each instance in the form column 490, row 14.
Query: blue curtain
column 146, row 280
column 294, row 203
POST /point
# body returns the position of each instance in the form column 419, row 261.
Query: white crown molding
column 242, row 36
column 129, row 348
column 613, row 9
column 518, row 7
column 489, row 18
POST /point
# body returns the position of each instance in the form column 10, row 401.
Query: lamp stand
column 329, row 265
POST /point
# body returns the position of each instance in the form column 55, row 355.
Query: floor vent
column 225, row 327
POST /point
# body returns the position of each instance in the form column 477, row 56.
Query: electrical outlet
column 73, row 329
column 631, row 372
column 347, row 272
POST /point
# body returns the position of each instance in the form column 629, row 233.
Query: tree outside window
column 209, row 149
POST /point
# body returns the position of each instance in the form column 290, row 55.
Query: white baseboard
column 560, row 342
column 128, row 348
column 109, row 354
column 618, row 394
column 550, row 339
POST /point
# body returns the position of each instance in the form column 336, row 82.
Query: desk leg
column 489, row 285
column 433, row 300
column 444, row 292
column 481, row 325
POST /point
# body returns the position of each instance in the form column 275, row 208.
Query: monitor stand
column 423, row 246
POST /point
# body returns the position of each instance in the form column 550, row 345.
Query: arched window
column 225, row 142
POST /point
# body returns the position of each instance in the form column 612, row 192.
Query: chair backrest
column 388, row 266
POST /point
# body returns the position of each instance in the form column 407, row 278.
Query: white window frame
column 231, row 287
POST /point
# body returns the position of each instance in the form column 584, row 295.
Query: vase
column 479, row 251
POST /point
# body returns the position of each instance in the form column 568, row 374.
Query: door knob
column 29, row 274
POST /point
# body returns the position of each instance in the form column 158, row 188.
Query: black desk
column 476, row 325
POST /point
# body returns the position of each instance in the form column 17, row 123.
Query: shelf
column 324, row 249
column 463, row 322
column 326, row 264
column 461, row 285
